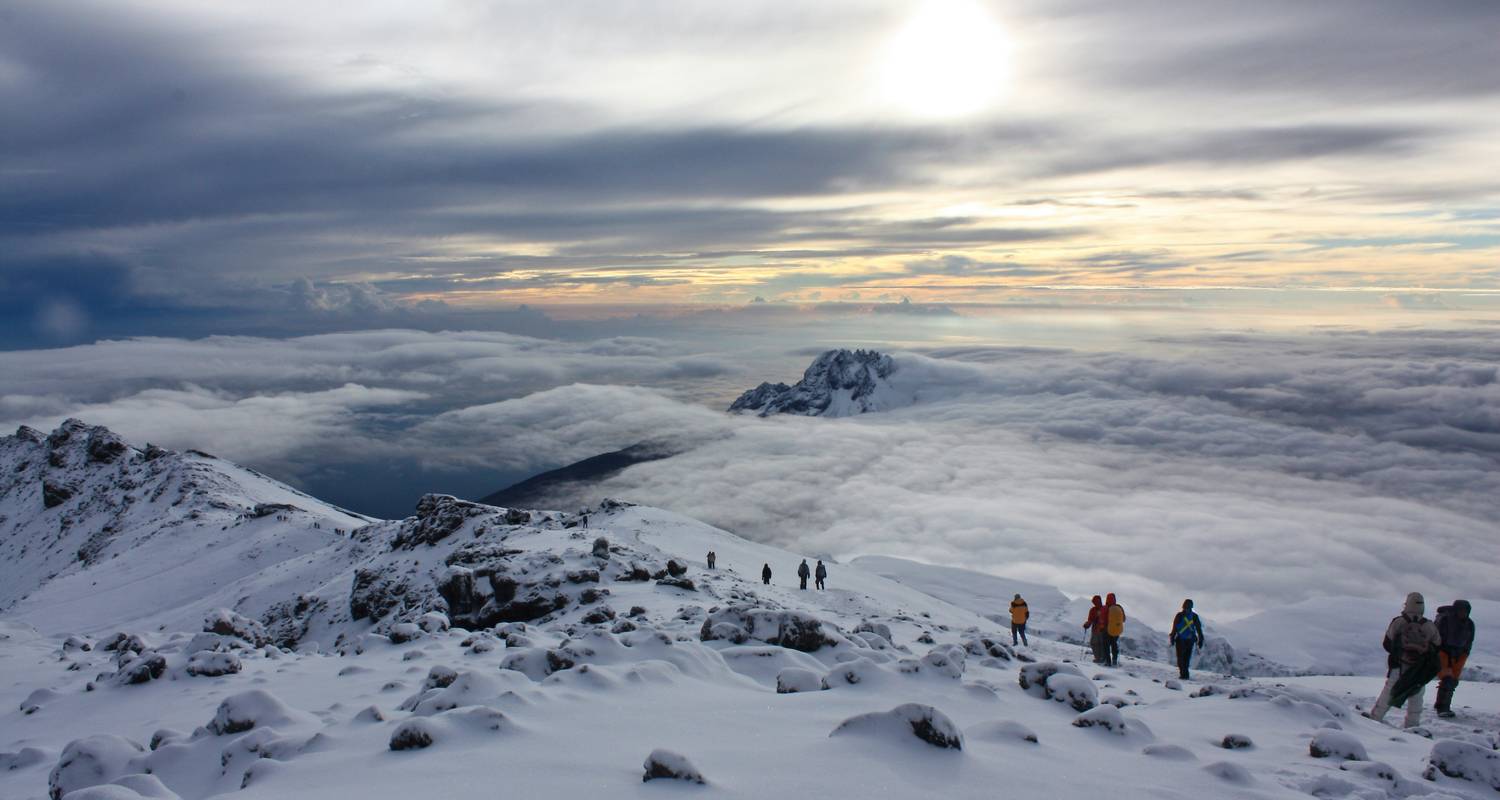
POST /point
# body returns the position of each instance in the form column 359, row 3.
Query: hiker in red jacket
column 1094, row 624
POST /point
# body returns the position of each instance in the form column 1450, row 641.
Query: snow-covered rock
column 904, row 722
column 1337, row 745
column 795, row 679
column 1464, row 761
column 251, row 709
column 669, row 765
column 91, row 761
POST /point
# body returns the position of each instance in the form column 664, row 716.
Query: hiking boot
column 1446, row 713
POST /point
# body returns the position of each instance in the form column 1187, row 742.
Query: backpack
column 1116, row 620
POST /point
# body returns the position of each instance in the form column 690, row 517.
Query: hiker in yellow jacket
column 1019, row 613
column 1114, row 627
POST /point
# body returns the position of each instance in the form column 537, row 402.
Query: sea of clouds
column 1246, row 470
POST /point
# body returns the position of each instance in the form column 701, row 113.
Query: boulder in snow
column 246, row 710
column 1106, row 718
column 795, row 679
column 412, row 734
column 227, row 623
column 208, row 664
column 91, row 761
column 665, row 764
column 141, row 668
column 1236, row 741
column 1336, row 744
column 1464, row 761
column 909, row 719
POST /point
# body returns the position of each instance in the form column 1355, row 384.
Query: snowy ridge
column 173, row 528
column 838, row 383
column 588, row 653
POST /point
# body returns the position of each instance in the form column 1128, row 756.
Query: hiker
column 765, row 574
column 711, row 557
column 1019, row 613
column 820, row 574
column 1095, row 626
column 1114, row 626
column 1456, row 632
column 1187, row 631
column 1412, row 642
column 803, row 573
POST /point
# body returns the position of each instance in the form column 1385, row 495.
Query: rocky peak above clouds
column 838, row 383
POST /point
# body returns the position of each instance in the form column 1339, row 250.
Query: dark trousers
column 1184, row 656
column 1112, row 650
column 820, row 583
column 1018, row 629
column 766, row 579
column 804, row 582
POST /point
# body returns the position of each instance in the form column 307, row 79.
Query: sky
column 172, row 165
column 1194, row 284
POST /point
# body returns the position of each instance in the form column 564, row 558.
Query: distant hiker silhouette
column 820, row 574
column 1457, row 633
column 1019, row 613
column 765, row 574
column 1114, row 627
column 803, row 573
column 711, row 558
column 1094, row 624
column 1187, row 631
column 1412, row 643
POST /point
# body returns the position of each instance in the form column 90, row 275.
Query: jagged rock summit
column 839, row 383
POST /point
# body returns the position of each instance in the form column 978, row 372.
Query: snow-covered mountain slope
column 758, row 690
column 470, row 649
column 838, row 383
column 96, row 532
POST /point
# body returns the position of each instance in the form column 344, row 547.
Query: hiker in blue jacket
column 1187, row 631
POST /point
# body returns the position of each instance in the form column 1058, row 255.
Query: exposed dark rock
column 55, row 494
column 413, row 734
column 267, row 509
column 601, row 547
column 598, row 616
column 685, row 584
column 375, row 593
column 438, row 516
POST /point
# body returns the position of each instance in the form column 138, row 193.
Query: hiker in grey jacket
column 1409, row 640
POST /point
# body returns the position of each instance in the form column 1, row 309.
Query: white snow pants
column 1413, row 705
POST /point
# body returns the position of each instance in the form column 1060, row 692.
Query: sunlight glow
column 950, row 59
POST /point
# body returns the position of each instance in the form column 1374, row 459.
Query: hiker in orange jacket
column 1019, row 613
column 1094, row 624
column 1114, row 627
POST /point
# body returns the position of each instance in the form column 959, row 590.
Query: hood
column 1463, row 608
column 1099, row 602
column 1415, row 605
column 1109, row 599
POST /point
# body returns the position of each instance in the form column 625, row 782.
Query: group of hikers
column 1419, row 650
column 1105, row 624
column 818, row 574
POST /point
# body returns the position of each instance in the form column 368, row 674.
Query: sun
column 949, row 59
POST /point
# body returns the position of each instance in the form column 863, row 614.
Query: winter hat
column 1415, row 605
column 1018, row 595
column 1187, row 605
column 1109, row 599
column 1463, row 608
column 1098, row 600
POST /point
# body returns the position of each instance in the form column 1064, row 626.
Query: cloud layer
column 1246, row 470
